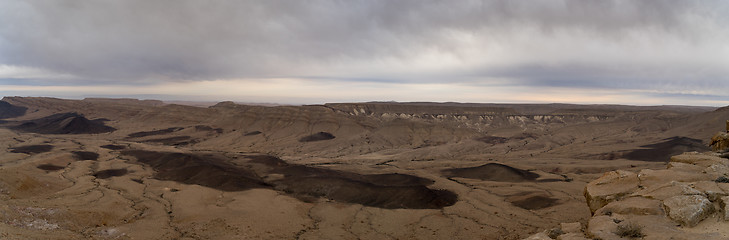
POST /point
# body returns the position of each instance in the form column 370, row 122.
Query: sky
column 309, row 52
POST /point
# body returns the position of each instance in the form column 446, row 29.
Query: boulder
column 633, row 206
column 720, row 142
column 667, row 190
column 603, row 227
column 710, row 189
column 717, row 170
column 695, row 158
column 724, row 204
column 688, row 210
column 610, row 187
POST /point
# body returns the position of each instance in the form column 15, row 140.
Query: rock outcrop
column 688, row 200
column 720, row 141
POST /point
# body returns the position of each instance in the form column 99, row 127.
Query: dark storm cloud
column 574, row 43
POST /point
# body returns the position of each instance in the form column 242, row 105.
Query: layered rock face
column 687, row 200
column 720, row 141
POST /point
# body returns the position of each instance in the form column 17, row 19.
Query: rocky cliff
column 687, row 200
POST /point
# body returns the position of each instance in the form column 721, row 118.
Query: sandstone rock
column 572, row 236
column 686, row 167
column 539, row 236
column 711, row 189
column 633, row 206
column 574, row 227
column 724, row 204
column 717, row 170
column 720, row 141
column 603, row 227
column 699, row 159
column 649, row 177
column 724, row 186
column 688, row 210
column 667, row 190
column 609, row 187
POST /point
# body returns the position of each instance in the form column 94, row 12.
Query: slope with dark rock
column 376, row 190
column 32, row 149
column 8, row 110
column 303, row 182
column 209, row 171
column 154, row 132
column 320, row 136
column 662, row 151
column 85, row 155
column 492, row 172
column 64, row 123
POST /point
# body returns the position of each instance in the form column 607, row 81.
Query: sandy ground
column 60, row 194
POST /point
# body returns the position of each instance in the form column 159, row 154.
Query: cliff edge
column 687, row 200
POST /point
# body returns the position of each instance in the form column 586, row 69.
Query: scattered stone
column 610, row 187
column 554, row 233
column 688, row 210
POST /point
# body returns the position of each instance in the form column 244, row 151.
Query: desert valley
column 145, row 169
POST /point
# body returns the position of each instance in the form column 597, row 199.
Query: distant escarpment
column 64, row 123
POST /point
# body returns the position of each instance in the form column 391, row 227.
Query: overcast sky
column 582, row 51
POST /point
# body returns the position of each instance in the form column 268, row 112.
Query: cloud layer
column 666, row 47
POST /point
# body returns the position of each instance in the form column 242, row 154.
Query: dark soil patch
column 303, row 182
column 64, row 123
column 32, row 149
column 252, row 133
column 208, row 171
column 492, row 172
column 83, row 155
column 155, row 132
column 104, row 174
column 114, row 147
column 662, row 151
column 50, row 167
column 493, row 140
column 8, row 110
column 365, row 193
column 320, row 136
column 535, row 202
column 390, row 191
column 173, row 141
column 396, row 179
column 208, row 128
